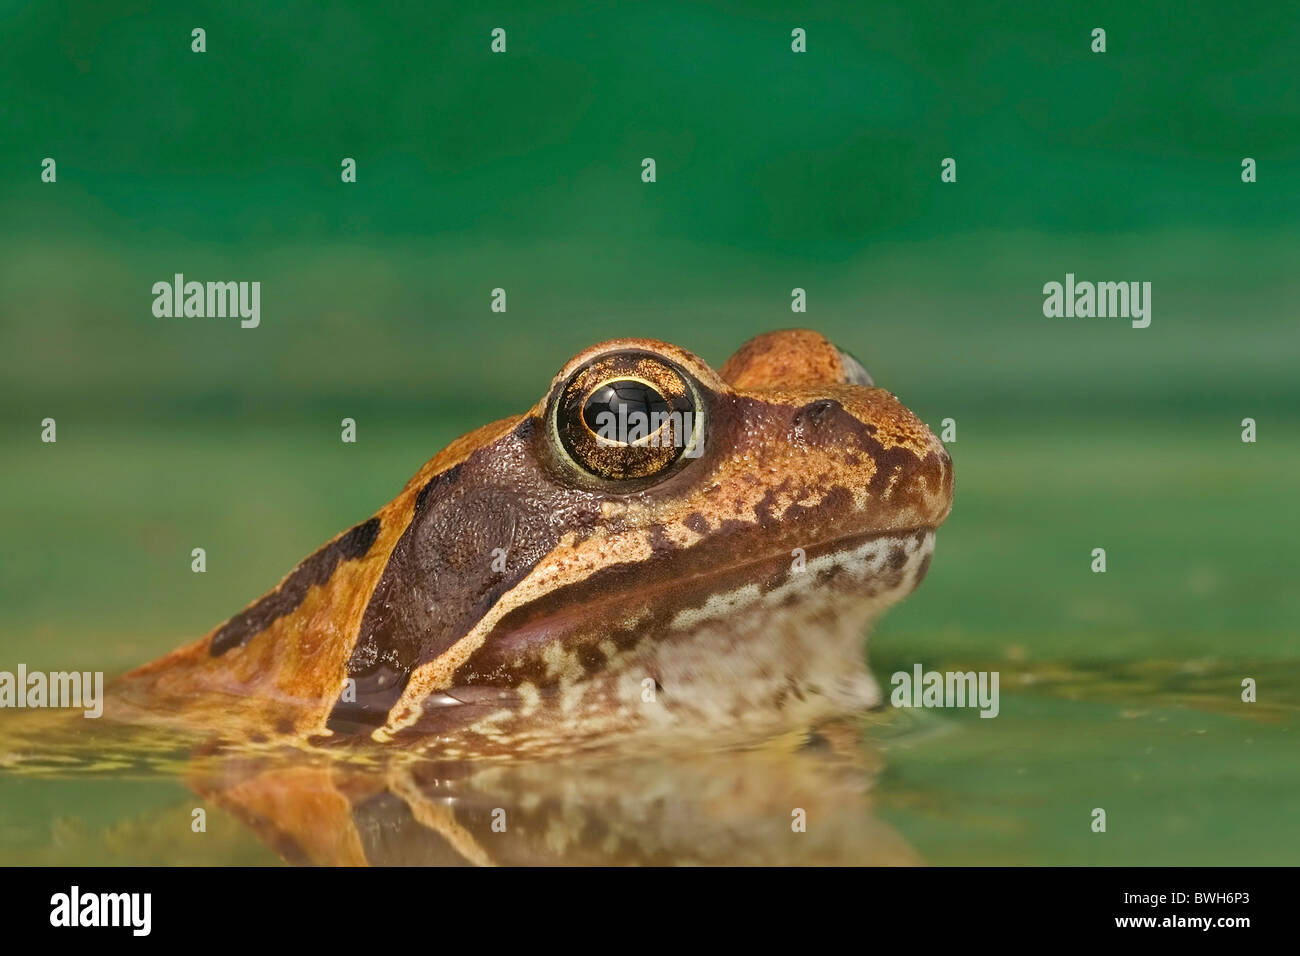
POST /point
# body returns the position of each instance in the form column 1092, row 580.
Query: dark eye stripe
column 441, row 577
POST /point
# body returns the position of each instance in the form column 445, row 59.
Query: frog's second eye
column 627, row 416
column 855, row 373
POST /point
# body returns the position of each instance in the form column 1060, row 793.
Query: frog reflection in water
column 541, row 590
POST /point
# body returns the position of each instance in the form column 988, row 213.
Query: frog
column 657, row 553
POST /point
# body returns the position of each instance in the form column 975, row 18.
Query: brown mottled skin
column 512, row 601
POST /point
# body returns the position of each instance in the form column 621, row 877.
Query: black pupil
column 622, row 399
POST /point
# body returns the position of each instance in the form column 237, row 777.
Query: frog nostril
column 816, row 413
column 819, row 411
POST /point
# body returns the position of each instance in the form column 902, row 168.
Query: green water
column 1185, row 774
column 1119, row 691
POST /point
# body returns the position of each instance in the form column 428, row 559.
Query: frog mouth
column 864, row 564
column 624, row 603
column 806, row 618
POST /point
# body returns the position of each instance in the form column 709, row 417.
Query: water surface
column 1184, row 770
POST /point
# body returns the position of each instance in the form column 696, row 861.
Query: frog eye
column 626, row 416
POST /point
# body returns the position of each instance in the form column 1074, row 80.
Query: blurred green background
column 775, row 170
